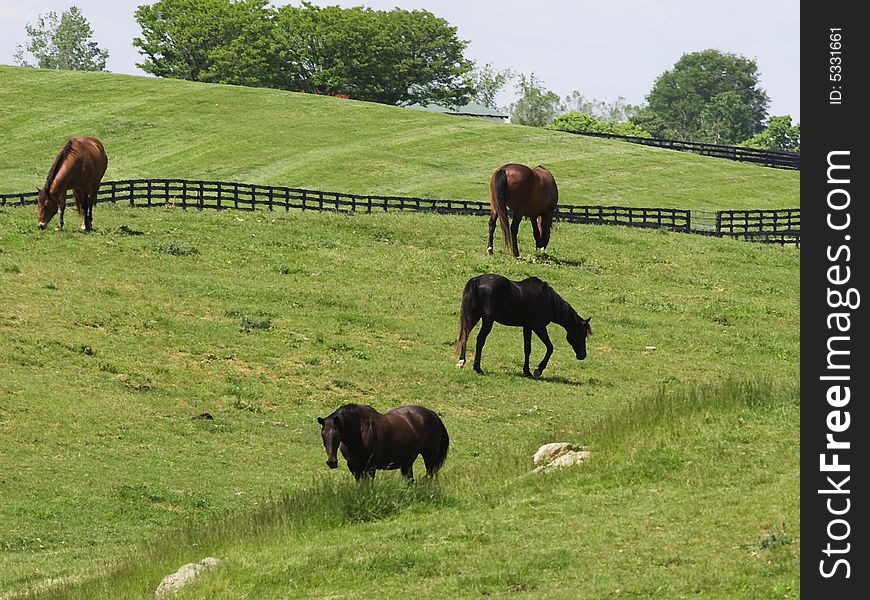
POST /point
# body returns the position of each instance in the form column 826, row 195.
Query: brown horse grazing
column 528, row 193
column 369, row 440
column 79, row 166
column 531, row 304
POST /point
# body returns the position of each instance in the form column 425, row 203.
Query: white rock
column 548, row 452
column 183, row 576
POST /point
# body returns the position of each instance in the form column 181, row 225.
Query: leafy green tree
column 780, row 134
column 62, row 43
column 217, row 41
column 537, row 106
column 487, row 82
column 392, row 57
column 679, row 97
column 724, row 120
column 581, row 121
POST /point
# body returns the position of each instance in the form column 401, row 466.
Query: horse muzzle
column 332, row 464
column 41, row 225
column 581, row 356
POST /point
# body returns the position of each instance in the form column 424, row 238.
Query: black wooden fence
column 776, row 226
column 768, row 158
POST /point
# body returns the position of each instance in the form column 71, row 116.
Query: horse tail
column 499, row 201
column 443, row 445
column 467, row 311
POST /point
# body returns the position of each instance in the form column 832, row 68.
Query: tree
column 392, row 57
column 216, row 41
column 487, row 82
column 724, row 120
column 618, row 111
column 536, row 106
column 679, row 97
column 581, row 121
column 780, row 134
column 62, row 43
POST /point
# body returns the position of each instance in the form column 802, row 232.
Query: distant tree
column 679, row 97
column 216, row 41
column 581, row 121
column 779, row 134
column 392, row 57
column 618, row 111
column 62, row 43
column 536, row 106
column 724, row 120
column 487, row 82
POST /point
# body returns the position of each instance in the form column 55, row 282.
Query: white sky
column 604, row 49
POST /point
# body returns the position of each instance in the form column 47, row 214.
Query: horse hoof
column 478, row 370
column 527, row 373
column 537, row 374
column 460, row 364
column 489, row 250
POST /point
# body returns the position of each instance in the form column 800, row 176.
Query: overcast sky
column 604, row 49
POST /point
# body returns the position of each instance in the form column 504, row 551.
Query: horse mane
column 355, row 411
column 563, row 312
column 58, row 161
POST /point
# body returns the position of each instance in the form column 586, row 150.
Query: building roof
column 472, row 109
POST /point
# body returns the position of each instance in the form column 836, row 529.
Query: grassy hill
column 113, row 343
column 165, row 128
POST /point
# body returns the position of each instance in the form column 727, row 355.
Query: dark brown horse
column 531, row 304
column 369, row 440
column 79, row 166
column 528, row 193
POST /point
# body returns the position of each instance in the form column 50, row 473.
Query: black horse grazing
column 531, row 304
column 369, row 440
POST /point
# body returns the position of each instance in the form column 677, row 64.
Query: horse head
column 47, row 207
column 577, row 334
column 329, row 431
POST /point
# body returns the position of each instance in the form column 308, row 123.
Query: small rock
column 548, row 452
column 183, row 576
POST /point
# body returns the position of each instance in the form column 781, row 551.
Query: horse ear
column 321, row 420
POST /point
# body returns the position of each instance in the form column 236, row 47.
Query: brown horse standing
column 79, row 166
column 529, row 193
column 369, row 440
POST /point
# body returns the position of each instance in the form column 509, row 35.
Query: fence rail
column 771, row 226
column 768, row 158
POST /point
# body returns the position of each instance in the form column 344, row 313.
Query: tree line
column 405, row 57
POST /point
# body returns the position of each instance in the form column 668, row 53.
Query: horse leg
column 408, row 472
column 89, row 210
column 61, row 206
column 82, row 207
column 541, row 332
column 527, row 348
column 481, row 339
column 536, row 231
column 493, row 219
column 515, row 229
column 546, row 226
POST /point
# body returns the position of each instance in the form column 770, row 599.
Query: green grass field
column 112, row 343
column 165, row 128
